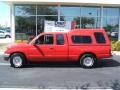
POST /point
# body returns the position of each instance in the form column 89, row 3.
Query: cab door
column 44, row 48
column 61, row 47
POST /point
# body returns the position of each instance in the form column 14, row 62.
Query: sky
column 4, row 14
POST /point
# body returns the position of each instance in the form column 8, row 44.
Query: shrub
column 113, row 46
column 117, row 46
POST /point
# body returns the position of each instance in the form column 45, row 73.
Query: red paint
column 67, row 52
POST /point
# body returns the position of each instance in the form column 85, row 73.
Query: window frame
column 81, row 36
column 103, row 37
column 63, row 37
column 45, row 40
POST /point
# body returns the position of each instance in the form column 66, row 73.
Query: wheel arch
column 20, row 53
column 87, row 53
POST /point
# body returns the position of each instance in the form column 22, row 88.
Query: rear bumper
column 6, row 57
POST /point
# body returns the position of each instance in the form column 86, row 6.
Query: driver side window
column 40, row 40
column 45, row 39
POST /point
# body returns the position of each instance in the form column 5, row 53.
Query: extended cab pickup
column 84, row 46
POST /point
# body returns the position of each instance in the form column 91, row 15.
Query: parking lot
column 61, row 75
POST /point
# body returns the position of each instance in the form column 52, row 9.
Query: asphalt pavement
column 61, row 75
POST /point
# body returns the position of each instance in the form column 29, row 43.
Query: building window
column 25, row 27
column 70, row 11
column 22, row 10
column 28, row 24
column 81, row 39
column 70, row 14
column 111, row 26
column 110, row 11
column 90, row 11
column 70, row 19
column 29, row 18
column 111, row 21
column 40, row 22
column 90, row 22
column 47, row 10
column 90, row 17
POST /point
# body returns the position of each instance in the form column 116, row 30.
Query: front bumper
column 6, row 57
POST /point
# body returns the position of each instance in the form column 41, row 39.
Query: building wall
column 71, row 2
column 28, row 19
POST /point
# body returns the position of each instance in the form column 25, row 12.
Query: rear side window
column 99, row 37
column 60, row 39
column 81, row 39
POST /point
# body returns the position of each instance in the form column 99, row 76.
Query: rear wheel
column 17, row 60
column 87, row 61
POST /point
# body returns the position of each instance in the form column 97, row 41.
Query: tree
column 41, row 10
column 85, row 21
column 111, row 28
column 28, row 24
column 108, row 28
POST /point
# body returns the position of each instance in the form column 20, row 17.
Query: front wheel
column 87, row 61
column 17, row 60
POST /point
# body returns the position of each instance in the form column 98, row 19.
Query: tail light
column 110, row 52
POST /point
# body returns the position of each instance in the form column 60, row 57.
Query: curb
column 116, row 53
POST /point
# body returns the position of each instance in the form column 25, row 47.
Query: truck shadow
column 107, row 63
column 100, row 64
column 52, row 65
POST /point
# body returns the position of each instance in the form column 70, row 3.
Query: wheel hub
column 17, row 61
column 88, row 61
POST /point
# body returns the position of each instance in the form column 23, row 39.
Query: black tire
column 87, row 61
column 17, row 56
column 7, row 36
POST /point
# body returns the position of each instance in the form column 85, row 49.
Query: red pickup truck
column 84, row 46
